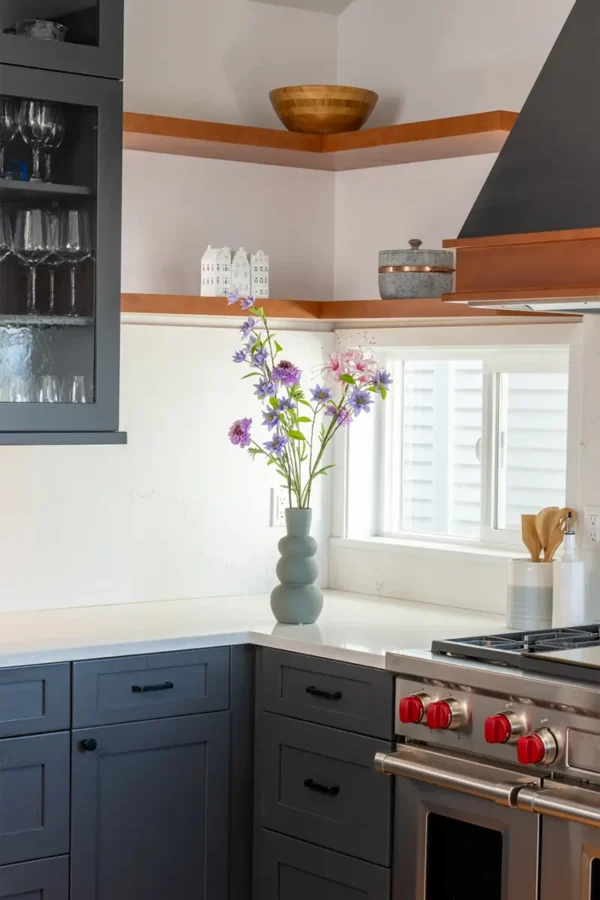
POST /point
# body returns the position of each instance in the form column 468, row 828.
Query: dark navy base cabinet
column 150, row 810
column 42, row 879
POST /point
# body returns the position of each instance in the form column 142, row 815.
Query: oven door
column 570, row 867
column 458, row 833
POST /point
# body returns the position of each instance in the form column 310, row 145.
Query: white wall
column 218, row 59
column 430, row 59
column 179, row 512
column 381, row 209
column 173, row 206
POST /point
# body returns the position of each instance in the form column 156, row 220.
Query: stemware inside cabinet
column 93, row 41
column 60, row 264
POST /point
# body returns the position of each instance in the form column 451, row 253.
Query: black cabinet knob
column 88, row 745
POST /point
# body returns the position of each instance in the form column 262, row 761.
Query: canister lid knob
column 415, row 244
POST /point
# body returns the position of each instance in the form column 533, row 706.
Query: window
column 467, row 441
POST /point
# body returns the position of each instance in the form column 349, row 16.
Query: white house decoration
column 260, row 274
column 216, row 272
column 240, row 273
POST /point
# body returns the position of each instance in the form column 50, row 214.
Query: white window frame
column 463, row 342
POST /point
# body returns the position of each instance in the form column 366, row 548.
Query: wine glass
column 9, row 125
column 36, row 123
column 30, row 246
column 5, row 235
column 54, row 260
column 75, row 244
column 53, row 141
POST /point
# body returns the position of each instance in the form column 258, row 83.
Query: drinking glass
column 9, row 125
column 37, row 121
column 21, row 389
column 75, row 245
column 53, row 141
column 5, row 235
column 76, row 389
column 30, row 246
column 54, row 260
column 46, row 389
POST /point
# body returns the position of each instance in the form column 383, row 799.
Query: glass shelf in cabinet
column 42, row 321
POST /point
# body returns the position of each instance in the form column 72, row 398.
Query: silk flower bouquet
column 299, row 429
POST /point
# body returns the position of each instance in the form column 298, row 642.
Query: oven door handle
column 455, row 774
column 573, row 804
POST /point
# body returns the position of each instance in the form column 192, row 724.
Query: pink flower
column 355, row 362
column 335, row 366
column 239, row 433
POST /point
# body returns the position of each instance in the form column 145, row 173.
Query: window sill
column 401, row 545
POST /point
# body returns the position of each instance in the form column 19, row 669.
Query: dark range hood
column 532, row 239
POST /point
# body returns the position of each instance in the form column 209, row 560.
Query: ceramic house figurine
column 260, row 274
column 240, row 273
column 216, row 272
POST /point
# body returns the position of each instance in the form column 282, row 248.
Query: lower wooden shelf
column 317, row 310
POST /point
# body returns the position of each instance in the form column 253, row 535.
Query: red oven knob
column 498, row 729
column 439, row 715
column 411, row 710
column 537, row 749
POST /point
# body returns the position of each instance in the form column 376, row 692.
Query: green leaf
column 323, row 471
column 347, row 379
column 296, row 392
column 272, row 461
column 255, row 451
column 304, row 402
column 303, row 419
column 274, row 402
column 322, row 433
column 296, row 435
column 249, row 375
column 383, row 393
column 278, row 347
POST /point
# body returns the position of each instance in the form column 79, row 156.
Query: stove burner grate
column 507, row 649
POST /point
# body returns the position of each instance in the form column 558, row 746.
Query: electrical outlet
column 279, row 504
column 591, row 538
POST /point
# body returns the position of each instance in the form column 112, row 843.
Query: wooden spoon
column 530, row 537
column 544, row 522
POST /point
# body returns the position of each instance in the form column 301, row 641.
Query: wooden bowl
column 323, row 108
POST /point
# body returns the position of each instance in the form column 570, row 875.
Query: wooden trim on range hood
column 561, row 266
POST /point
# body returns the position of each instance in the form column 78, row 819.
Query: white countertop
column 353, row 628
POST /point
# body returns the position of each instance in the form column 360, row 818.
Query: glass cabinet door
column 60, row 209
column 82, row 36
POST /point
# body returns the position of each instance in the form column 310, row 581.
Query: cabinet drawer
column 286, row 869
column 133, row 688
column 319, row 784
column 34, row 792
column 352, row 697
column 44, row 879
column 34, row 699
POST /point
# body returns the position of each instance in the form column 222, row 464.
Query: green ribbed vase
column 297, row 600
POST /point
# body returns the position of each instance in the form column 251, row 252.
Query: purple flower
column 343, row 416
column 259, row 358
column 271, row 418
column 265, row 389
column 233, row 298
column 276, row 445
column 382, row 380
column 247, row 302
column 252, row 342
column 321, row 394
column 239, row 356
column 239, row 433
column 285, row 404
column 248, row 326
column 360, row 401
column 286, row 373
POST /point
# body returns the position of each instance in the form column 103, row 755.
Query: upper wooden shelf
column 413, row 142
column 316, row 310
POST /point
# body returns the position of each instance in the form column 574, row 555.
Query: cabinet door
column 92, row 32
column 286, row 869
column 43, row 879
column 60, row 268
column 150, row 812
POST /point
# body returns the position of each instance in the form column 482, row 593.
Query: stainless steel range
column 498, row 758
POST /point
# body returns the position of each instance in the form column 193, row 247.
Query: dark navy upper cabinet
column 60, row 248
column 93, row 36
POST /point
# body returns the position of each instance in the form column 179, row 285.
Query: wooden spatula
column 544, row 522
column 530, row 537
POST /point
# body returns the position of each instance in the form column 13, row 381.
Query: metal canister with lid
column 413, row 273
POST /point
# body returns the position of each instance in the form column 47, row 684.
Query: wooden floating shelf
column 315, row 310
column 412, row 142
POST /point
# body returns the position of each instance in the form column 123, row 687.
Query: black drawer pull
column 146, row 688
column 331, row 790
column 88, row 745
column 326, row 695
